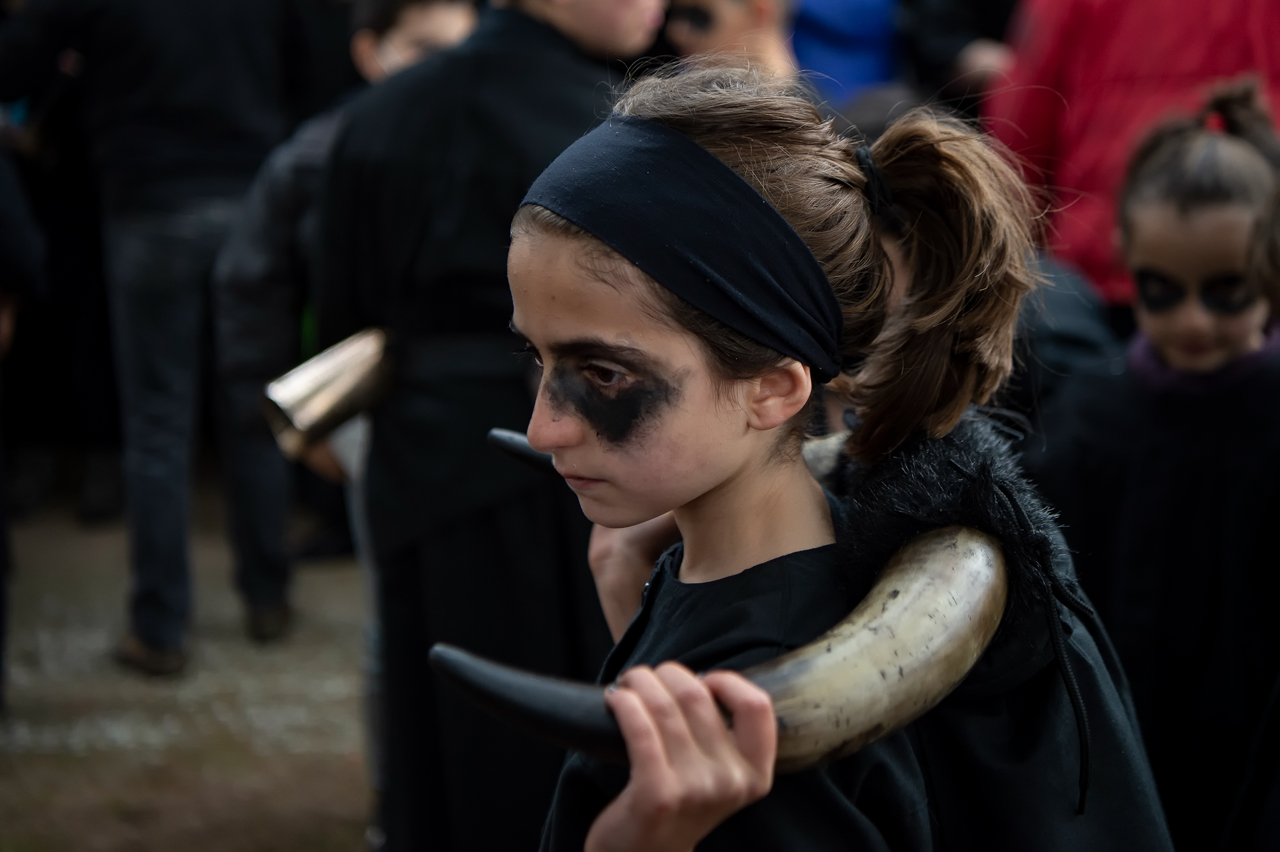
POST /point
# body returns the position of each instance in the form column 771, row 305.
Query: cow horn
column 912, row 639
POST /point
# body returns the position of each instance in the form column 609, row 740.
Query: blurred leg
column 256, row 486
column 157, row 266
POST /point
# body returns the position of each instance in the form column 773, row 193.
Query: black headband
column 692, row 224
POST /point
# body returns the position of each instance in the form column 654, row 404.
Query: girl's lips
column 580, row 483
column 1194, row 350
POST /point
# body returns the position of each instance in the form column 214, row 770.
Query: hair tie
column 1214, row 122
column 877, row 191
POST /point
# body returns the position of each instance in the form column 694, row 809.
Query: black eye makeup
column 617, row 391
column 695, row 17
column 1224, row 295
column 617, row 400
column 1227, row 294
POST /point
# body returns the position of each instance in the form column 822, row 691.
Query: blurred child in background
column 1089, row 80
column 1163, row 465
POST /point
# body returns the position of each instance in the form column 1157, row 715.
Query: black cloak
column 1167, row 487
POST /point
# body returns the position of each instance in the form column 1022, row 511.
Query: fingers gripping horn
column 905, row 647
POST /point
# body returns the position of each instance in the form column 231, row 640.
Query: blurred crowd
column 197, row 196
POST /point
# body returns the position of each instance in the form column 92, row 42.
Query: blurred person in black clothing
column 265, row 275
column 266, row 270
column 21, row 271
column 65, row 339
column 182, row 103
column 470, row 547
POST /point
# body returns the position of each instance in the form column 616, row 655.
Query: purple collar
column 1148, row 368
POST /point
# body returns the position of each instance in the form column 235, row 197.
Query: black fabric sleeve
column 259, row 281
column 337, row 313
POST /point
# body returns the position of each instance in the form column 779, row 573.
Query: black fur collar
column 969, row 478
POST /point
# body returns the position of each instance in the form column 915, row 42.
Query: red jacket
column 1093, row 77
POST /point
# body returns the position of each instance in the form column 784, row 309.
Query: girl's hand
column 621, row 561
column 689, row 771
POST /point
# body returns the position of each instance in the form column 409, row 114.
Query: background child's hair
column 1264, row 258
column 961, row 212
column 1228, row 154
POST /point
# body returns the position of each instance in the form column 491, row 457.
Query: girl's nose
column 550, row 428
column 1192, row 316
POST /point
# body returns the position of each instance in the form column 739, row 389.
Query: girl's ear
column 779, row 395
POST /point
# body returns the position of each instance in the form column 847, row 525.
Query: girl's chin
column 1196, row 362
column 613, row 517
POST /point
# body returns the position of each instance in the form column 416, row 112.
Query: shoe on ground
column 269, row 624
column 134, row 654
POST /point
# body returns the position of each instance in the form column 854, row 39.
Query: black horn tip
column 569, row 714
column 516, row 445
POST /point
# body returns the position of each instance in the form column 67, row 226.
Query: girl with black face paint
column 685, row 275
column 1163, row 464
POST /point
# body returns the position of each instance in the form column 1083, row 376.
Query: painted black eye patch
column 1224, row 295
column 581, row 380
column 695, row 17
column 618, row 415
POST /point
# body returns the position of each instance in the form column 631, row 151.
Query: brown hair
column 1227, row 154
column 1264, row 258
column 961, row 212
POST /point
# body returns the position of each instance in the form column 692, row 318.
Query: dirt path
column 254, row 749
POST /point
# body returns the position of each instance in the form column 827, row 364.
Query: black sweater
column 195, row 89
column 998, row 764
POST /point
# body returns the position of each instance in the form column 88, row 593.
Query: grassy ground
column 254, row 749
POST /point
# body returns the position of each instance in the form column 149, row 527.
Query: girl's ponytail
column 1237, row 110
column 962, row 217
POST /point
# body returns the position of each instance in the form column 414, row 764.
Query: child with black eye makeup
column 1164, row 465
column 686, row 275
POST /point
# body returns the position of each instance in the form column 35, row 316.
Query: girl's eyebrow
column 594, row 346
column 588, row 346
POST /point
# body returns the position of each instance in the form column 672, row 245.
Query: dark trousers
column 509, row 582
column 158, row 265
